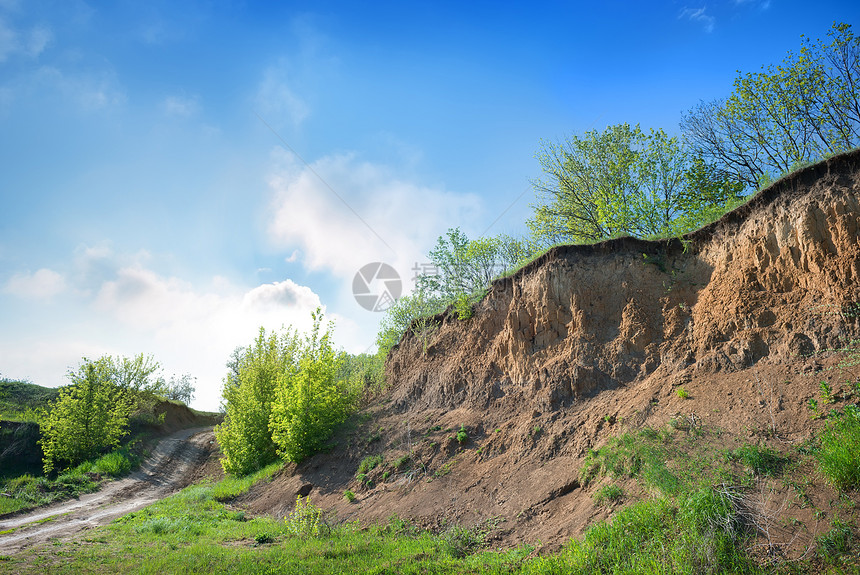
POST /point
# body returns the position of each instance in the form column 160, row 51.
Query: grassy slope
column 20, row 400
column 700, row 515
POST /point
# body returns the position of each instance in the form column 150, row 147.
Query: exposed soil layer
column 744, row 315
column 175, row 463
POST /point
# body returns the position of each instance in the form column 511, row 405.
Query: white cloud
column 32, row 44
column 699, row 15
column 276, row 98
column 119, row 304
column 38, row 40
column 362, row 213
column 180, row 106
column 8, row 41
column 269, row 298
column 41, row 285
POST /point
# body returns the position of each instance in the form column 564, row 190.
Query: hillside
column 713, row 343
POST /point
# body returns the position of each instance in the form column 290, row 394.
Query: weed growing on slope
column 608, row 493
column 306, row 520
column 369, row 463
column 761, row 461
column 839, row 457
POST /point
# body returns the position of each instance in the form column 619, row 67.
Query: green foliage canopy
column 285, row 396
column 623, row 181
column 793, row 113
column 244, row 436
column 311, row 400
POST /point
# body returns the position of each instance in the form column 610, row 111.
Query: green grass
column 21, row 400
column 639, row 454
column 839, row 456
column 761, row 461
column 191, row 532
column 234, row 485
column 369, row 463
column 608, row 493
column 28, row 491
column 687, row 526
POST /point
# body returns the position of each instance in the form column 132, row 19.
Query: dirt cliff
column 590, row 341
column 773, row 280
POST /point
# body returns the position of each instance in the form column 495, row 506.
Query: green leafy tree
column 588, row 186
column 89, row 416
column 363, row 371
column 410, row 312
column 135, row 374
column 180, row 388
column 622, row 181
column 311, row 400
column 787, row 115
column 244, row 436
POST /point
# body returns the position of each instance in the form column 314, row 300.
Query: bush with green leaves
column 244, row 436
column 310, row 401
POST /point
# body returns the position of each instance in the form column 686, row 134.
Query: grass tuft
column 839, row 458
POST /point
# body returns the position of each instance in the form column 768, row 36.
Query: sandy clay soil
column 175, row 463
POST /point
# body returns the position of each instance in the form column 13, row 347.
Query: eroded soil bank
column 588, row 342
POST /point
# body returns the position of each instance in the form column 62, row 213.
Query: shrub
column 463, row 307
column 89, row 415
column 244, row 436
column 349, row 496
column 462, row 435
column 310, row 401
column 306, row 520
column 682, row 393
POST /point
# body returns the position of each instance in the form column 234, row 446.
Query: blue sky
column 176, row 175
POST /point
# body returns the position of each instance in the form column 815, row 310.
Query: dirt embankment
column 589, row 340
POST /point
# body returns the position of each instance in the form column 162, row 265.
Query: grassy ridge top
column 19, row 399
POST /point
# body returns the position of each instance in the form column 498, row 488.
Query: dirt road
column 170, row 467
